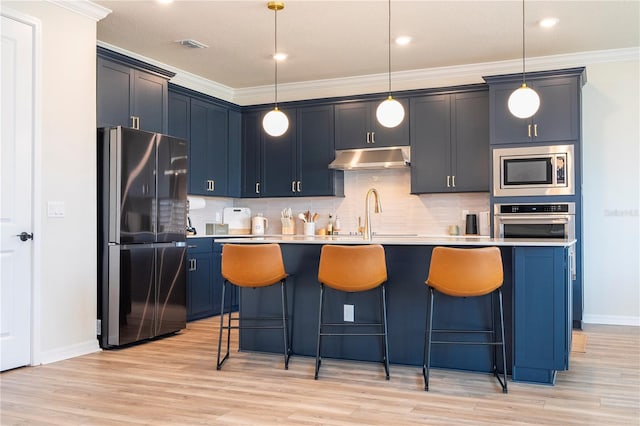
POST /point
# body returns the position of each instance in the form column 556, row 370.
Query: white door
column 16, row 194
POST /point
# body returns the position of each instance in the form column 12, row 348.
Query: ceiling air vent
column 192, row 44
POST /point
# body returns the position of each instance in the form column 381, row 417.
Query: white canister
column 258, row 224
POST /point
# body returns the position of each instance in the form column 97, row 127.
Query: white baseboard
column 612, row 320
column 59, row 354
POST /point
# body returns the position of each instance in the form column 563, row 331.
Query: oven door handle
column 532, row 219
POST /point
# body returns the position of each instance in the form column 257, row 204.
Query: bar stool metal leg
column 318, row 360
column 219, row 362
column 384, row 325
column 285, row 324
column 427, row 346
column 504, row 352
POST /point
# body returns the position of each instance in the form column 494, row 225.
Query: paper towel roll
column 196, row 203
column 483, row 223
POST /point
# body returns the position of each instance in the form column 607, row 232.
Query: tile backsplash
column 402, row 212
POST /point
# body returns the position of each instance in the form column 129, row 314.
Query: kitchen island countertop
column 429, row 240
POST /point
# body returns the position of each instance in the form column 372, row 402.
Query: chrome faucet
column 377, row 209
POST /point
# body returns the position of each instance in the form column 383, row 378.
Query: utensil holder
column 309, row 228
column 288, row 227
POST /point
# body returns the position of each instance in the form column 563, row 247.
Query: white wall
column 65, row 301
column 611, row 192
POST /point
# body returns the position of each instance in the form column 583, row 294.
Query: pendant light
column 275, row 123
column 524, row 101
column 390, row 112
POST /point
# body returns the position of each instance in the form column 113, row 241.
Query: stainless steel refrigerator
column 142, row 210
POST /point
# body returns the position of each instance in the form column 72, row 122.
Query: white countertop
column 428, row 240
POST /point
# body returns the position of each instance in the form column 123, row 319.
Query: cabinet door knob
column 24, row 236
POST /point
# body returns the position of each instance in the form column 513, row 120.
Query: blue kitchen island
column 537, row 304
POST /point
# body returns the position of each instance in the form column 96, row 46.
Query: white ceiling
column 338, row 39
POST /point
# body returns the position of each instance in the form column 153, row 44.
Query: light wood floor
column 174, row 381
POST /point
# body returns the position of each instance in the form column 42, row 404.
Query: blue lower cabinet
column 204, row 279
column 542, row 313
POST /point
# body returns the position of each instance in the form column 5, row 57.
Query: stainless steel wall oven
column 539, row 221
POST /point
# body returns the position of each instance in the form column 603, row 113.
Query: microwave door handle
column 531, row 219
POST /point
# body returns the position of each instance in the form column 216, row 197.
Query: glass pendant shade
column 523, row 102
column 390, row 112
column 275, row 123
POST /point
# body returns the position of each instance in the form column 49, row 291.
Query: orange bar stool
column 254, row 266
column 353, row 269
column 466, row 273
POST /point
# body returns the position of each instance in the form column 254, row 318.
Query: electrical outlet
column 349, row 313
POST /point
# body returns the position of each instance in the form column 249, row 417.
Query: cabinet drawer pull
column 373, row 137
column 257, row 187
column 448, row 181
column 211, row 185
column 453, row 181
column 368, row 137
column 293, row 186
column 529, row 130
column 535, row 130
column 191, row 246
column 299, row 186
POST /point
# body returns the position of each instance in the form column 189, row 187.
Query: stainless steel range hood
column 372, row 158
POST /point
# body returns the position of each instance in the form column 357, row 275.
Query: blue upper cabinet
column 314, row 152
column 558, row 117
column 294, row 164
column 356, row 126
column 209, row 126
column 450, row 142
column 131, row 93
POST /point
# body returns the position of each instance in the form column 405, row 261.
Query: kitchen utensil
column 302, row 217
column 315, row 217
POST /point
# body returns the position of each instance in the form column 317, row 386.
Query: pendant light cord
column 523, row 44
column 389, row 45
column 275, row 51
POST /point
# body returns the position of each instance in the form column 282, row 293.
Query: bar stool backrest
column 352, row 268
column 252, row 265
column 465, row 272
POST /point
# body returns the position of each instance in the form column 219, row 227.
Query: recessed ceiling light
column 548, row 22
column 165, row 1
column 280, row 56
column 403, row 40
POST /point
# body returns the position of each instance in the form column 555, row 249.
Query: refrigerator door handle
column 115, row 184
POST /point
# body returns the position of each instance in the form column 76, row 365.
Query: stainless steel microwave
column 533, row 170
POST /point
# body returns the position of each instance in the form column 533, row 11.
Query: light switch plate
column 55, row 209
column 349, row 313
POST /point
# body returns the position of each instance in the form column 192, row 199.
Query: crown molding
column 83, row 7
column 425, row 78
column 181, row 78
column 377, row 83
